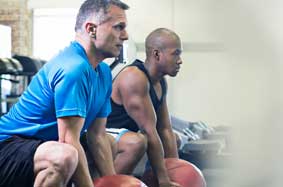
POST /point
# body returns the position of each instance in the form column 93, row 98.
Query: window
column 5, row 38
column 53, row 29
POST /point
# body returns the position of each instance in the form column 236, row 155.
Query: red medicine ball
column 179, row 171
column 118, row 181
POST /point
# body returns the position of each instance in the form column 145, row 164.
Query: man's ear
column 156, row 54
column 91, row 29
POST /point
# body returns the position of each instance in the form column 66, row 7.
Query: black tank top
column 119, row 117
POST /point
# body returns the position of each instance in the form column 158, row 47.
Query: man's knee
column 59, row 158
column 136, row 142
column 68, row 159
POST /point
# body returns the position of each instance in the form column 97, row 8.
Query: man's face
column 111, row 33
column 171, row 58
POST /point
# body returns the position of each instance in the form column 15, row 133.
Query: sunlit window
column 53, row 29
column 6, row 42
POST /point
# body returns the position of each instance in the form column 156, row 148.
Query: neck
column 93, row 56
column 152, row 69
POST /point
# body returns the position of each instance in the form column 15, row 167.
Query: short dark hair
column 155, row 39
column 95, row 6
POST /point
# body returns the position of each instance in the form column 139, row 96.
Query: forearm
column 101, row 153
column 155, row 154
column 69, row 132
column 82, row 176
column 169, row 143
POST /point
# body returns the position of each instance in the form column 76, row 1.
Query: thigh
column 16, row 161
column 129, row 138
column 124, row 137
column 87, row 150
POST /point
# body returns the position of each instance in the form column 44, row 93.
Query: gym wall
column 230, row 73
column 222, row 81
column 14, row 13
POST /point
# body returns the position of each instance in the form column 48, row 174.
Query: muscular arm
column 69, row 129
column 165, row 132
column 100, row 147
column 134, row 93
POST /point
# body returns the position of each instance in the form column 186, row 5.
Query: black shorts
column 16, row 161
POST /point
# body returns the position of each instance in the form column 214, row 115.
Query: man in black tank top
column 139, row 105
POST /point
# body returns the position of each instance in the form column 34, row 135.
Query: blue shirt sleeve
column 70, row 92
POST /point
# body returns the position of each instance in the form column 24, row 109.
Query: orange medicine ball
column 118, row 181
column 180, row 171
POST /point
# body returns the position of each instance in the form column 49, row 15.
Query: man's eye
column 119, row 27
column 177, row 53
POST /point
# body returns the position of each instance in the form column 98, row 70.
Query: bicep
column 137, row 102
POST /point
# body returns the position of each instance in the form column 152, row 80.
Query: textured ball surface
column 180, row 171
column 118, row 181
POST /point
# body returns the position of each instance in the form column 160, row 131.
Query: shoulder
column 71, row 68
column 132, row 79
column 67, row 59
column 76, row 68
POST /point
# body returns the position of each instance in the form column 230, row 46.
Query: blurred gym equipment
column 15, row 75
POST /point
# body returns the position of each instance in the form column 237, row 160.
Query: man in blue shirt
column 40, row 135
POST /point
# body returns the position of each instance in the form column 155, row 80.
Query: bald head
column 160, row 39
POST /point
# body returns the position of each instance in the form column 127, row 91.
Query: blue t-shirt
column 67, row 85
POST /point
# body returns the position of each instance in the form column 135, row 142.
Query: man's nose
column 180, row 61
column 124, row 35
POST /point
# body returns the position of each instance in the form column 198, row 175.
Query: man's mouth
column 119, row 46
